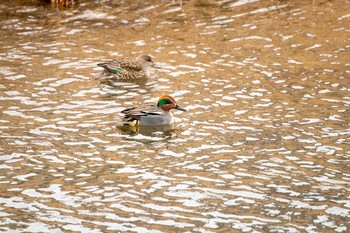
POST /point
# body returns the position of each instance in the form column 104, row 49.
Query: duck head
column 145, row 60
column 166, row 102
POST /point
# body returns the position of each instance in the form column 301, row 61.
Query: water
column 263, row 147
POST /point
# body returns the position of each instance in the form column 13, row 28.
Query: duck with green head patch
column 151, row 114
column 128, row 69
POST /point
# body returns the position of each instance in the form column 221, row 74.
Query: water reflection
column 263, row 147
column 156, row 131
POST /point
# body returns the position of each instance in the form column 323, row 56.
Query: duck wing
column 138, row 112
column 117, row 66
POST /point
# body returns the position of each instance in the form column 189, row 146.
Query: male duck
column 128, row 69
column 150, row 114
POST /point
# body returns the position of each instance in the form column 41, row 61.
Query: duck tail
column 130, row 121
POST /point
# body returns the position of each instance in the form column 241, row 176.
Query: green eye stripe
column 164, row 101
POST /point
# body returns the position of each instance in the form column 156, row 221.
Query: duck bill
column 154, row 65
column 179, row 108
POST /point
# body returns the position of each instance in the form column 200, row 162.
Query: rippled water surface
column 263, row 147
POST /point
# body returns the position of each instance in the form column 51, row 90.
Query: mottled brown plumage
column 128, row 69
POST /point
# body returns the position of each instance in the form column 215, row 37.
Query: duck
column 152, row 114
column 128, row 69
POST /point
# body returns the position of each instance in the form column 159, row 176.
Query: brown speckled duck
column 128, row 69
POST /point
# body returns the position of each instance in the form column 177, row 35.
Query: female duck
column 150, row 114
column 128, row 69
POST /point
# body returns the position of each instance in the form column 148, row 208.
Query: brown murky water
column 263, row 147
